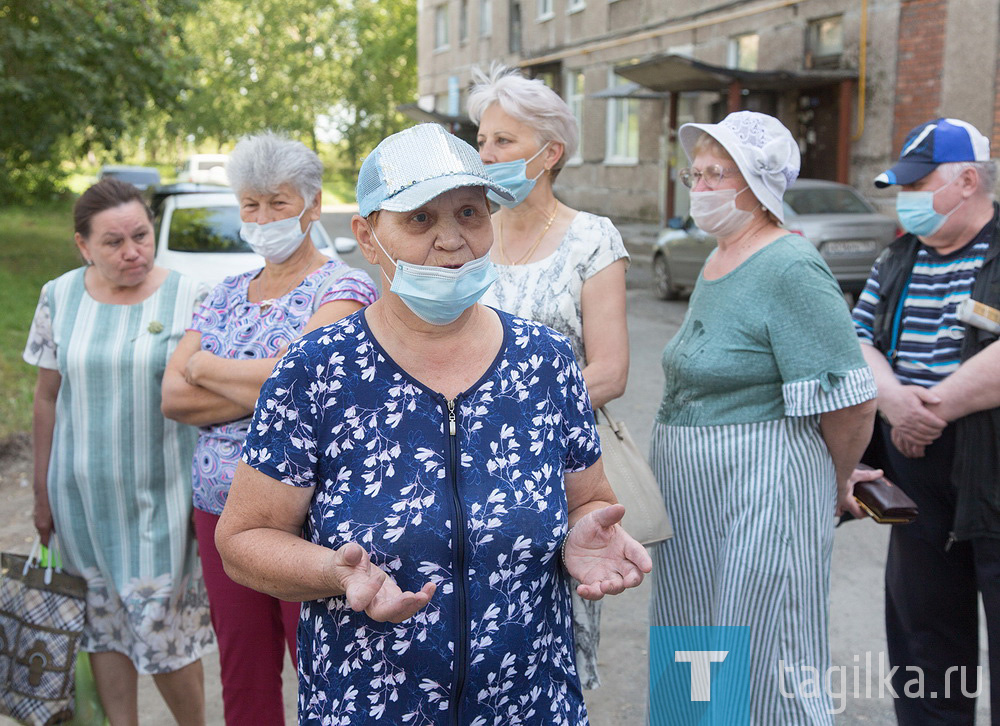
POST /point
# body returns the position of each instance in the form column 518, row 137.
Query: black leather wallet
column 885, row 502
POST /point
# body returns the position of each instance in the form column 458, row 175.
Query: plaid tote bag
column 42, row 612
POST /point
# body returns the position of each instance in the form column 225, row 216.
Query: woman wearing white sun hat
column 767, row 406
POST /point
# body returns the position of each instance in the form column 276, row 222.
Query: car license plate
column 847, row 248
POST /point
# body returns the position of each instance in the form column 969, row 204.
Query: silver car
column 843, row 225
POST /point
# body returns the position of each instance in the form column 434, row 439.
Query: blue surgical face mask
column 513, row 175
column 917, row 214
column 438, row 295
column 275, row 241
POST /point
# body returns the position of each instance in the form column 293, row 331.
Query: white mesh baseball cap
column 409, row 168
column 761, row 146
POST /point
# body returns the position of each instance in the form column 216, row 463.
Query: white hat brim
column 689, row 134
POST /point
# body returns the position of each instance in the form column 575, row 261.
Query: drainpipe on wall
column 844, row 132
column 671, row 148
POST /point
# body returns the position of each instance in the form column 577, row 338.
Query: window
column 463, row 21
column 514, row 27
column 206, row 229
column 441, row 27
column 549, row 77
column 835, row 200
column 574, row 6
column 623, row 126
column 824, row 42
column 485, row 18
column 544, row 9
column 743, row 51
column 574, row 91
column 454, row 96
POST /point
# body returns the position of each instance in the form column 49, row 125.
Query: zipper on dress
column 461, row 575
column 950, row 541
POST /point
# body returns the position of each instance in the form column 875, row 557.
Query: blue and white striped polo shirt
column 930, row 339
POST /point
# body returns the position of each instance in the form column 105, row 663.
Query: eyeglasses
column 712, row 174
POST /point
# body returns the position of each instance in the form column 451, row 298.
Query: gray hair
column 985, row 170
column 530, row 101
column 263, row 162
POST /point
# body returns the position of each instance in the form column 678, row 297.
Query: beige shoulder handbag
column 633, row 482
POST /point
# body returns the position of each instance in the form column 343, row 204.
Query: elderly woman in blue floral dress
column 423, row 443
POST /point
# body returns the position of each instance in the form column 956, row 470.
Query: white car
column 204, row 169
column 199, row 235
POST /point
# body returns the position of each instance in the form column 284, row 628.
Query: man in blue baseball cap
column 937, row 367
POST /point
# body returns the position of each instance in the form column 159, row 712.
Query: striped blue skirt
column 753, row 512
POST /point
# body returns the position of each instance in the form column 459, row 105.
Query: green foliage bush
column 30, row 183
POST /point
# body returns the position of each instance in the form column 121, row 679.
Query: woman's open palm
column 368, row 588
column 602, row 556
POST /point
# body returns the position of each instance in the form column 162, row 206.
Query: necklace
column 527, row 255
column 267, row 304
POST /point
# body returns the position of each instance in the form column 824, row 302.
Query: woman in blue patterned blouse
column 422, row 444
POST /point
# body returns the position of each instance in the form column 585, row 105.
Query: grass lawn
column 36, row 245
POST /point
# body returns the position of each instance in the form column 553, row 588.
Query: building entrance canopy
column 675, row 74
column 669, row 72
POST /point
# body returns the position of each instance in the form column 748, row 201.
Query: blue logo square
column 699, row 676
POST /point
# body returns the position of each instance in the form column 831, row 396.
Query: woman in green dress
column 767, row 407
column 112, row 475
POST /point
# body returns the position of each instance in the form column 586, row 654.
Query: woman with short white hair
column 556, row 265
column 215, row 375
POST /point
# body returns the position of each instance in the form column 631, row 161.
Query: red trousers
column 252, row 629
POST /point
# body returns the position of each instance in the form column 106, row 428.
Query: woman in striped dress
column 767, row 407
column 112, row 476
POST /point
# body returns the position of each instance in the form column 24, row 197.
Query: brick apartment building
column 848, row 77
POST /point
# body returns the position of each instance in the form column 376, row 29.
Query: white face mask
column 439, row 295
column 275, row 241
column 715, row 212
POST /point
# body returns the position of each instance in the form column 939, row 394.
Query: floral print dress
column 467, row 493
column 233, row 327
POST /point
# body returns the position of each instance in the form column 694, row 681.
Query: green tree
column 75, row 74
column 268, row 64
column 284, row 64
column 382, row 72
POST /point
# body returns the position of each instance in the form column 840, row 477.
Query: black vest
column 976, row 467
